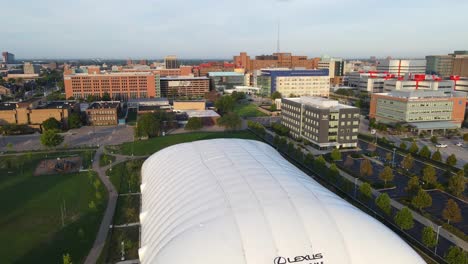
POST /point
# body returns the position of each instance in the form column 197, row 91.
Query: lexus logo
column 283, row 260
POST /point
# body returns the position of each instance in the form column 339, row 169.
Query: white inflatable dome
column 232, row 201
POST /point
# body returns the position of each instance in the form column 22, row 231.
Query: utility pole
column 437, row 240
column 393, row 159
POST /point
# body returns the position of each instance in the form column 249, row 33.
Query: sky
column 220, row 29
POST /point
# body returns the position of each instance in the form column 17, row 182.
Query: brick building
column 122, row 85
column 277, row 60
column 103, row 113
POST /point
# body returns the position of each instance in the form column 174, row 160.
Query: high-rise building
column 460, row 65
column 441, row 65
column 277, row 60
column 120, row 86
column 221, row 81
column 171, row 62
column 8, row 58
column 401, row 67
column 423, row 110
column 30, row 68
column 295, row 82
column 325, row 123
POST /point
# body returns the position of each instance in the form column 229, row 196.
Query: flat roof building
column 172, row 87
column 370, row 82
column 294, row 82
column 401, row 67
column 221, row 81
column 276, row 60
column 419, row 82
column 119, row 85
column 435, row 109
column 8, row 58
column 235, row 201
column 323, row 122
column 103, row 113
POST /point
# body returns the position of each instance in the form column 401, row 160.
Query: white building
column 235, row 201
column 401, row 67
column 367, row 81
column 425, row 83
column 335, row 66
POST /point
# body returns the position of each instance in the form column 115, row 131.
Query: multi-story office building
column 8, row 58
column 103, row 113
column 171, row 62
column 295, row 82
column 335, row 66
column 325, row 123
column 370, row 82
column 401, row 67
column 423, row 110
column 221, row 81
column 29, row 68
column 184, row 86
column 441, row 65
column 205, row 68
column 419, row 82
column 461, row 84
column 277, row 60
column 460, row 65
column 121, row 86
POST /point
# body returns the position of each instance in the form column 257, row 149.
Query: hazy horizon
column 145, row 29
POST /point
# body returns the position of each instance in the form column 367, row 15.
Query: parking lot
column 84, row 136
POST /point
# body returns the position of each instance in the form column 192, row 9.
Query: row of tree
column 426, row 153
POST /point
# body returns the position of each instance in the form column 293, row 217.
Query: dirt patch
column 58, row 165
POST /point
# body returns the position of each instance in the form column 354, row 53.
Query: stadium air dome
column 233, row 201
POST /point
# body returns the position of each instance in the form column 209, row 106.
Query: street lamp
column 355, row 186
column 393, row 159
column 437, row 240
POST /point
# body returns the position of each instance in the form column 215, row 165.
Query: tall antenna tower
column 278, row 38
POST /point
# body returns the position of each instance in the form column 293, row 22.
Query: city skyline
column 153, row 29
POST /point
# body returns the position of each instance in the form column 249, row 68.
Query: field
column 147, row 147
column 247, row 110
column 44, row 217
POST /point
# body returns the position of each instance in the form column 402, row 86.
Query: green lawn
column 130, row 237
column 150, row 146
column 128, row 210
column 31, row 228
column 248, row 110
column 125, row 176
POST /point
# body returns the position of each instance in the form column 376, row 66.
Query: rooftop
column 201, row 113
column 56, row 104
column 172, row 78
column 102, row 104
column 225, row 74
column 319, row 102
column 110, row 74
column 418, row 94
column 434, row 125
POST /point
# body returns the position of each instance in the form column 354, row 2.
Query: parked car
column 441, row 145
column 459, row 144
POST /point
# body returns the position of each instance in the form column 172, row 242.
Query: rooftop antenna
column 278, row 39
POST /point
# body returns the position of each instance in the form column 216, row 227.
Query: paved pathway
column 109, row 213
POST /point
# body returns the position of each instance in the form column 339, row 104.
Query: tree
column 404, row 219
column 91, row 98
column 333, row 172
column 413, row 148
column 437, row 156
column 335, row 154
column 366, row 190
column 465, row 137
column 366, row 168
column 148, row 125
column 51, row 124
column 434, row 139
column 194, row 123
column 413, row 185
column 429, row 175
column 403, row 145
column 51, row 138
column 421, row 200
column 225, row 104
column 276, row 95
column 388, row 156
column 67, row 259
column 425, row 152
column 319, row 163
column 429, row 237
column 74, row 121
column 451, row 160
column 230, row 121
column 384, row 203
column 106, row 97
column 465, row 168
column 407, row 162
column 457, row 183
column 237, row 96
column 280, row 129
column 451, row 212
column 386, row 175
column 372, row 123
column 273, row 108
column 456, row 255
